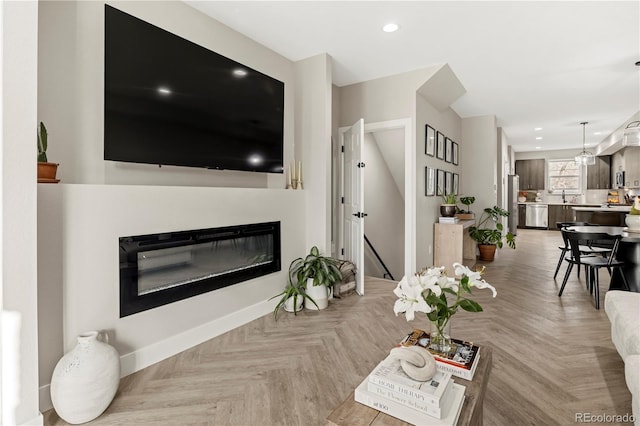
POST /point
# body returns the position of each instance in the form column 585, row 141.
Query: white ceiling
column 549, row 64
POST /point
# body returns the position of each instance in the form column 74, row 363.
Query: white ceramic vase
column 85, row 379
column 633, row 221
column 319, row 294
column 288, row 304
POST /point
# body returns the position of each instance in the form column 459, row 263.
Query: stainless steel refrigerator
column 513, row 186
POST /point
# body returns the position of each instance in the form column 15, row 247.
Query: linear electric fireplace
column 158, row 269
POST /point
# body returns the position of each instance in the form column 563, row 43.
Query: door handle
column 360, row 214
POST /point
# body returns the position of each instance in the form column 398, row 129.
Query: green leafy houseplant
column 467, row 201
column 490, row 232
column 315, row 268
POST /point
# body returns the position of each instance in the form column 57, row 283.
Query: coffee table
column 350, row 412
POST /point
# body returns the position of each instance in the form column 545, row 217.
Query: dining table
column 628, row 252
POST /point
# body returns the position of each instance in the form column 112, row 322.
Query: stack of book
column 437, row 401
column 443, row 219
column 461, row 360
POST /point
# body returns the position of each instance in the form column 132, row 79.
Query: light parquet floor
column 552, row 357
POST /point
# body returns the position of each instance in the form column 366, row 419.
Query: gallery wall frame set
column 439, row 182
column 438, row 145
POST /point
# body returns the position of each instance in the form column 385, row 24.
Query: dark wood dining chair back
column 577, row 241
column 565, row 248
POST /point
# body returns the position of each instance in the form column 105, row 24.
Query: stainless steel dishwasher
column 536, row 216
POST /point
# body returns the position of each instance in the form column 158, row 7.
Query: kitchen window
column 564, row 175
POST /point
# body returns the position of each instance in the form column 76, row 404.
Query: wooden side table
column 350, row 412
column 452, row 243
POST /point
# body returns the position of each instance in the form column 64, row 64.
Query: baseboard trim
column 149, row 355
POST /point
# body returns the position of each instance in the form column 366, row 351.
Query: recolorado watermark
column 604, row 418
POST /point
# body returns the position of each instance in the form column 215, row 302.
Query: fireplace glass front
column 162, row 268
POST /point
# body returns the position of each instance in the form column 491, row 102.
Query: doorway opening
column 388, row 188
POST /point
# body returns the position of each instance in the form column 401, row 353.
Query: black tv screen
column 169, row 101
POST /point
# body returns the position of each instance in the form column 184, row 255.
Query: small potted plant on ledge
column 489, row 233
column 466, row 214
column 448, row 207
column 46, row 171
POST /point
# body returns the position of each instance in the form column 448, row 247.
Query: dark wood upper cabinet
column 531, row 174
column 599, row 175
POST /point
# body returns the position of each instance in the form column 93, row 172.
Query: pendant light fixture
column 585, row 158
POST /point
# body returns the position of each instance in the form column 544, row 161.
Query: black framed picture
column 448, row 185
column 440, row 182
column 440, row 145
column 448, row 152
column 429, row 181
column 429, row 140
column 455, row 153
column 456, row 183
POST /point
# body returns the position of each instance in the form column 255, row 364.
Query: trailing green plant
column 467, row 201
column 490, row 230
column 42, row 143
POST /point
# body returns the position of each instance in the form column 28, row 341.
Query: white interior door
column 353, row 206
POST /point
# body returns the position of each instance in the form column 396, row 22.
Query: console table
column 350, row 412
column 452, row 243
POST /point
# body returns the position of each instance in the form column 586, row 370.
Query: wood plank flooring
column 552, row 357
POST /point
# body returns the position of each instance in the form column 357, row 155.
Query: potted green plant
column 448, row 206
column 490, row 234
column 466, row 214
column 315, row 274
column 46, row 171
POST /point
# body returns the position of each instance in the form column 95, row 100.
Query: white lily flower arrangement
column 427, row 290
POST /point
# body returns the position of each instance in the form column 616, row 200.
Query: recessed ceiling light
column 537, row 129
column 390, row 28
column 164, row 90
column 239, row 72
column 538, row 138
column 596, row 133
column 538, row 147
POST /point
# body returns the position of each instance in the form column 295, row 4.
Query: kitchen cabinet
column 599, row 174
column 522, row 215
column 531, row 174
column 632, row 167
column 560, row 213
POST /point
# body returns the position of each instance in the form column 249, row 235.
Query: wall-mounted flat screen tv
column 169, row 101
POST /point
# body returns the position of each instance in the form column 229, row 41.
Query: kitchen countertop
column 562, row 204
column 613, row 209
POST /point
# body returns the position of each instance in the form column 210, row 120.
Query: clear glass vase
column 440, row 336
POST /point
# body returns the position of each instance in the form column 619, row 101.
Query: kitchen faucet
column 563, row 199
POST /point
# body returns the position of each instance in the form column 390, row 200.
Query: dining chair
column 592, row 263
column 565, row 248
